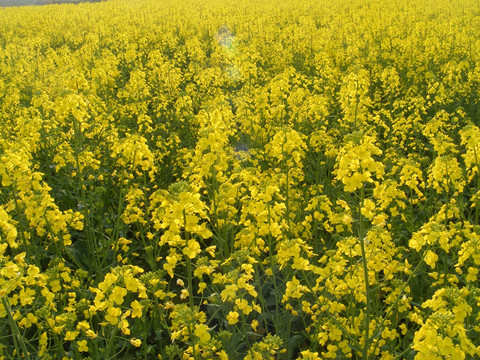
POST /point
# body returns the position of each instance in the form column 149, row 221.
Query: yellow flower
column 243, row 305
column 117, row 295
column 294, row 289
column 136, row 342
column 472, row 274
column 368, row 209
column 192, row 250
column 211, row 250
column 91, row 334
column 82, row 346
column 55, row 285
column 26, row 296
column 184, row 294
column 43, row 341
column 201, row 331
column 131, row 283
column 137, row 309
column 229, row 292
column 445, row 174
column 113, row 314
column 201, row 287
column 32, row 318
column 431, row 258
column 308, row 355
column 222, row 355
column 124, row 326
column 83, row 325
column 355, row 164
column 232, row 317
column 71, row 335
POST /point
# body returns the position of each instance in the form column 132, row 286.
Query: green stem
column 22, row 234
column 90, row 236
column 365, row 274
column 272, row 265
column 393, row 307
column 477, row 163
column 260, row 292
column 17, row 337
column 447, row 199
column 190, row 284
column 214, row 195
column 116, row 227
column 110, row 342
column 191, row 304
column 190, row 291
column 355, row 345
column 357, row 101
column 287, row 200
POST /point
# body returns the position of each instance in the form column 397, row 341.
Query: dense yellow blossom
column 240, row 180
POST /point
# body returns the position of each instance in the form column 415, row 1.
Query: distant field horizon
column 5, row 3
column 17, row 2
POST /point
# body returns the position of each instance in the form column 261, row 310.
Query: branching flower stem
column 361, row 236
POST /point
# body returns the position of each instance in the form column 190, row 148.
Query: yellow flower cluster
column 240, row 180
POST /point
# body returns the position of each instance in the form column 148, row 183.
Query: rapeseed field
column 189, row 179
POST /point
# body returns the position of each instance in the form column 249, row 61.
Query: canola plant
column 240, row 180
